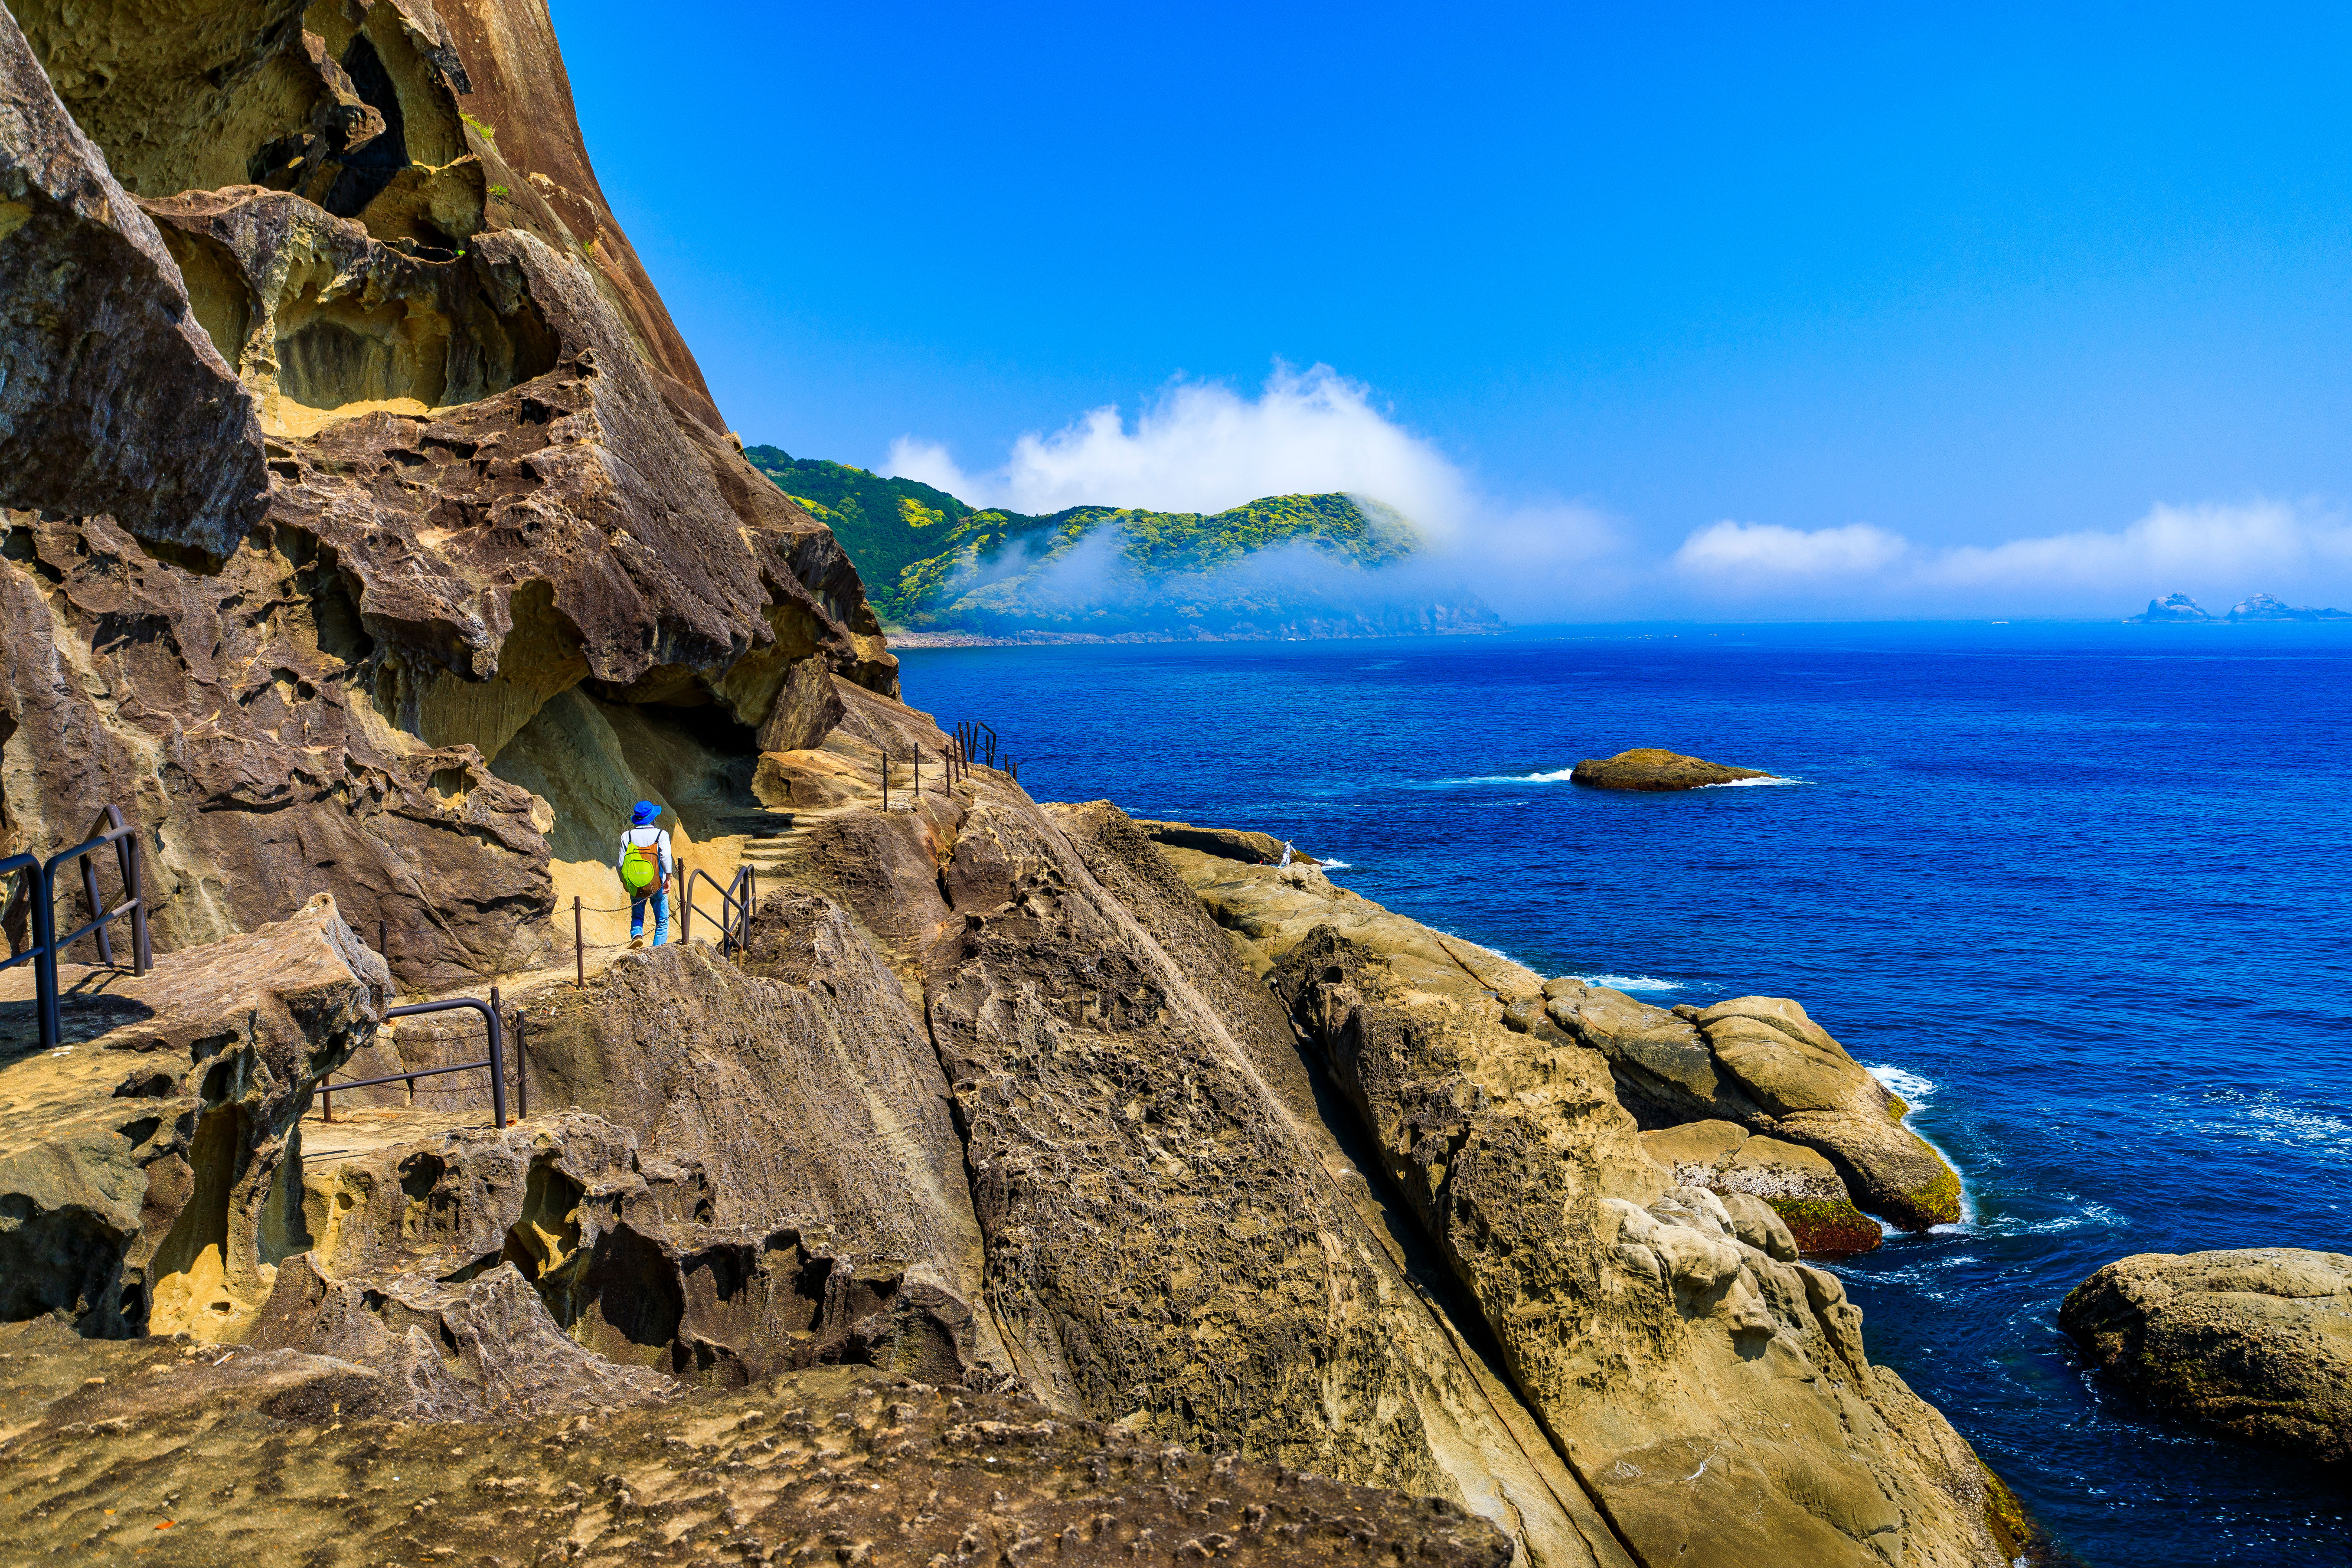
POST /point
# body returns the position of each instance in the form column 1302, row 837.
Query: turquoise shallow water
column 2082, row 893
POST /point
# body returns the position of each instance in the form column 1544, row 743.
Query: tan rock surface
column 1801, row 1187
column 1650, row 768
column 1718, row 1400
column 1760, row 1062
column 2256, row 1343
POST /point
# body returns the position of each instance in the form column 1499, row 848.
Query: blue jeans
column 661, row 918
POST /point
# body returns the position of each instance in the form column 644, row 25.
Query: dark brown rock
column 1649, row 768
column 2256, row 1343
column 112, row 399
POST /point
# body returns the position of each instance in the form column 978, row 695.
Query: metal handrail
column 737, row 909
column 41, row 953
column 110, row 828
column 41, row 895
column 496, row 1061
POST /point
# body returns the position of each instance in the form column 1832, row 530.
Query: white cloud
column 2216, row 552
column 1765, row 553
column 1201, row 447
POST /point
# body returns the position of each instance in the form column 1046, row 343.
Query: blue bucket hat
column 643, row 817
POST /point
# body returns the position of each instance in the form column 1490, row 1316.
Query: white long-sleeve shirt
column 644, row 835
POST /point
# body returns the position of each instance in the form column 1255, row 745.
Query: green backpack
column 640, row 866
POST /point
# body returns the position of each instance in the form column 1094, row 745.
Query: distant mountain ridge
column 2180, row 609
column 1295, row 565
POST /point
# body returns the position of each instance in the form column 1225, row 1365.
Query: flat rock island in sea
column 1654, row 768
column 2256, row 1343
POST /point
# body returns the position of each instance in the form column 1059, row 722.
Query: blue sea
column 2080, row 892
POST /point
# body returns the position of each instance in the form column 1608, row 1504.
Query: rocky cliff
column 356, row 471
column 1012, row 1188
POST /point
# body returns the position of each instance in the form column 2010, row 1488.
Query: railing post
column 45, row 968
column 497, row 1066
column 522, row 1069
column 97, row 908
column 579, row 946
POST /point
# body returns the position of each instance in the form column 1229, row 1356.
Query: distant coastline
column 899, row 637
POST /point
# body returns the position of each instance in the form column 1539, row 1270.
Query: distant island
column 1282, row 566
column 2180, row 609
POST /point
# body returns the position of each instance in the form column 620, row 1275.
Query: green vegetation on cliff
column 931, row 561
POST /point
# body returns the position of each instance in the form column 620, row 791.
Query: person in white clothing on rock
column 644, row 868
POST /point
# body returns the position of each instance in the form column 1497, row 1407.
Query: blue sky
column 1963, row 278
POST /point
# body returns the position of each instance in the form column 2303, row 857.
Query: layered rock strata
column 1652, row 768
column 2256, row 1343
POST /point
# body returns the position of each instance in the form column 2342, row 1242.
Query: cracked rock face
column 2254, row 1343
column 382, row 476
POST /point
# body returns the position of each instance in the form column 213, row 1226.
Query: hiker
column 644, row 869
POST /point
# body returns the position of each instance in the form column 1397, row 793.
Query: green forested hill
column 931, row 562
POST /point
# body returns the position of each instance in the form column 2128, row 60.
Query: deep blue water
column 2086, row 886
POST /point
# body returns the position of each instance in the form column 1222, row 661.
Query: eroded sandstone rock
column 1801, row 1187
column 1651, row 768
column 2256, row 1343
column 1756, row 1061
column 1717, row 1398
column 1761, row 1063
column 108, row 385
column 504, row 526
column 151, row 1169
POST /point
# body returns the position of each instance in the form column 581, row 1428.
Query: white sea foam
column 1629, row 982
column 1339, row 864
column 1559, row 777
column 1914, row 1089
column 1564, row 776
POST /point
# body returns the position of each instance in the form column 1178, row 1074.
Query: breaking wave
column 1914, row 1089
column 1631, row 981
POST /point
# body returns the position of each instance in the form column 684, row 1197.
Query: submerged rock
column 1649, row 768
column 2256, row 1343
